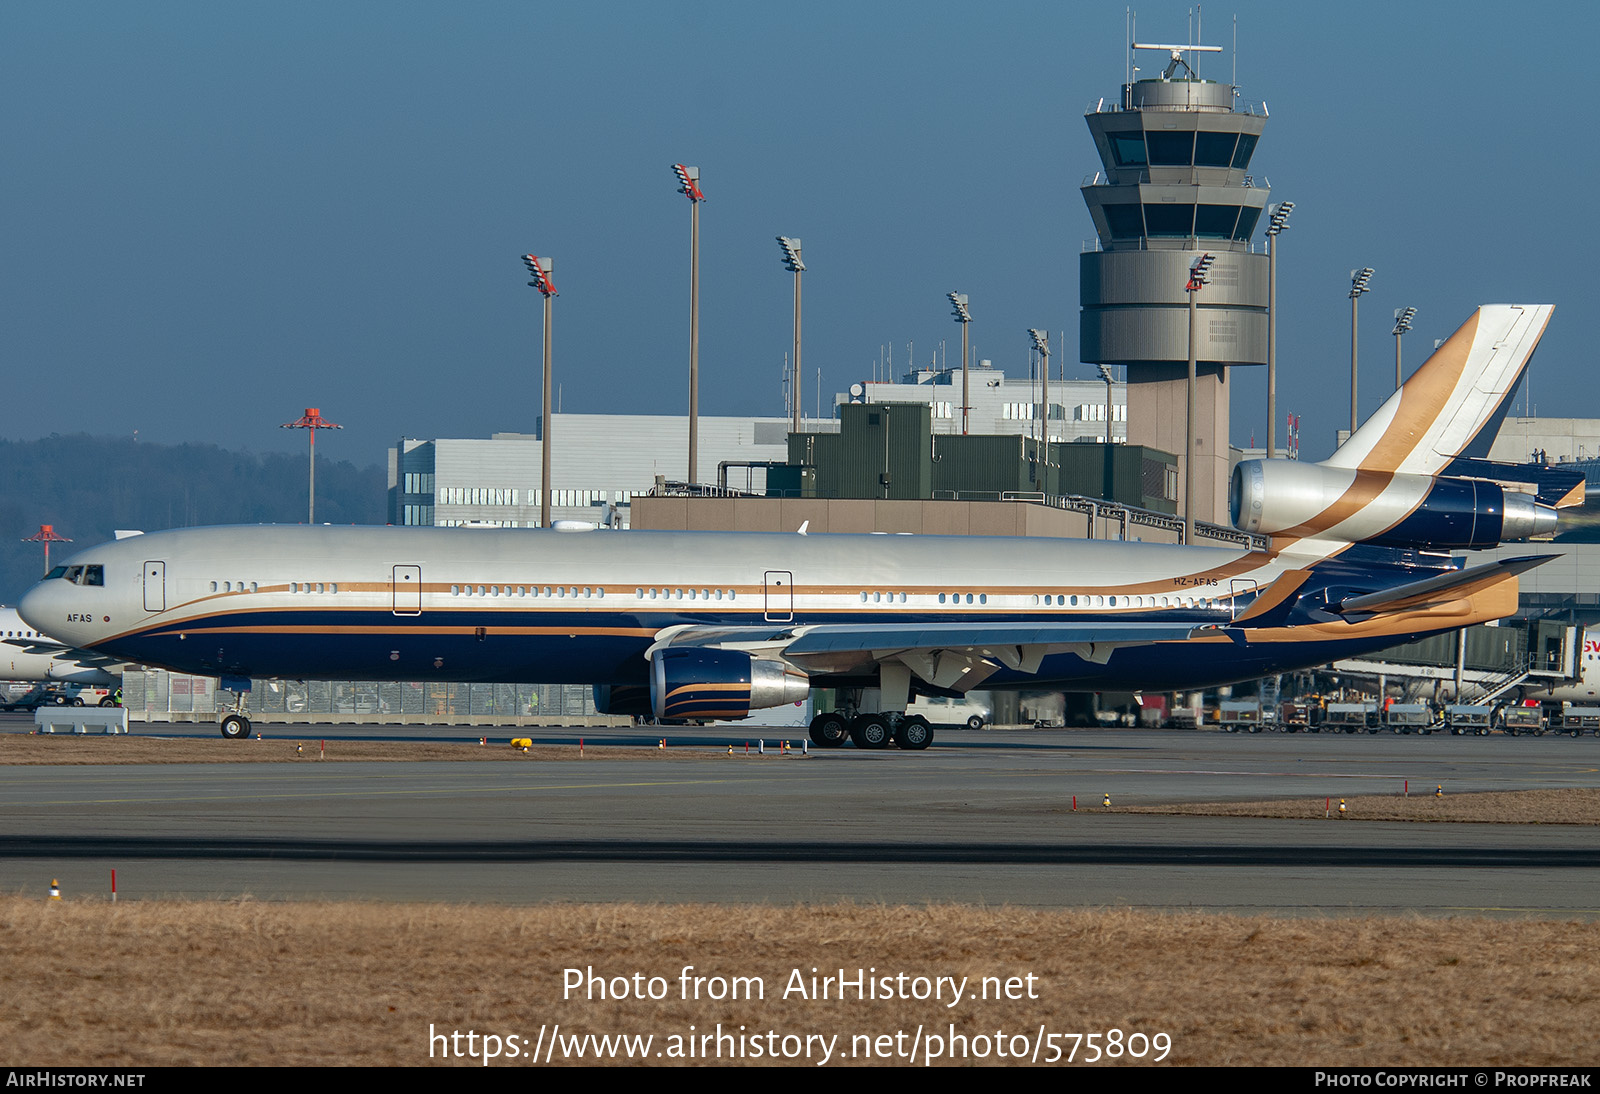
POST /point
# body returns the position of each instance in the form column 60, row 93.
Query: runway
column 982, row 817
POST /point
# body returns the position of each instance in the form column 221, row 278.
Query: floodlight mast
column 1360, row 282
column 1277, row 223
column 1199, row 275
column 540, row 269
column 793, row 263
column 1402, row 323
column 1105, row 374
column 1041, row 342
column 689, row 187
column 958, row 302
column 311, row 422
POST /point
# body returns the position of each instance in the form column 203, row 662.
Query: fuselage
column 528, row 605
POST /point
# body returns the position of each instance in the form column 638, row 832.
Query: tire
column 914, row 733
column 108, row 702
column 870, row 731
column 77, row 700
column 235, row 727
column 829, row 730
column 975, row 722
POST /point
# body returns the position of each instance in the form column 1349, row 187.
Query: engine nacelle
column 1286, row 497
column 627, row 700
column 694, row 682
column 70, row 672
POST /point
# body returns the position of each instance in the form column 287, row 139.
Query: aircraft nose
column 44, row 608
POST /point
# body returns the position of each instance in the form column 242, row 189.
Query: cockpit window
column 55, row 573
column 74, row 574
column 80, row 575
column 94, row 575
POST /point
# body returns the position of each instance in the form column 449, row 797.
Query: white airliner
column 1585, row 689
column 25, row 654
column 686, row 625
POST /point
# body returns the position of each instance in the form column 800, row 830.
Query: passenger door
column 155, row 586
column 780, row 596
column 406, row 586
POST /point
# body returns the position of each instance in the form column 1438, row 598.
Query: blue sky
column 220, row 214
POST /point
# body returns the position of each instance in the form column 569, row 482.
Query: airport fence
column 155, row 695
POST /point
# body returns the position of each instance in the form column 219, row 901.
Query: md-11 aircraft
column 714, row 625
column 28, row 655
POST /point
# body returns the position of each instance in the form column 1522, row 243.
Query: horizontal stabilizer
column 1436, row 590
column 1558, row 487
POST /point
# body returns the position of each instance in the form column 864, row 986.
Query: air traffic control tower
column 1176, row 185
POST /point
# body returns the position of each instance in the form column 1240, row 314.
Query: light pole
column 1277, row 221
column 689, row 187
column 791, row 262
column 1105, row 374
column 1199, row 275
column 311, row 422
column 958, row 304
column 1359, row 283
column 1041, row 342
column 540, row 269
column 1402, row 323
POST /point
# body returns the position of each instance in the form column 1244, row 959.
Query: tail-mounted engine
column 1309, row 500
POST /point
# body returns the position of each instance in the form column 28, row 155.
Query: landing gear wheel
column 975, row 722
column 870, row 731
column 914, row 733
column 829, row 730
column 235, row 726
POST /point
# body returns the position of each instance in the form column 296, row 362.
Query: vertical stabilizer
column 1452, row 399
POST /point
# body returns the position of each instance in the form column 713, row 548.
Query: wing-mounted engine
column 1315, row 501
column 698, row 682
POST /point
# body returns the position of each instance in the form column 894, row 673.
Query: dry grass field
column 154, row 983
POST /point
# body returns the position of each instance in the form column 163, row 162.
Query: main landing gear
column 235, row 724
column 911, row 732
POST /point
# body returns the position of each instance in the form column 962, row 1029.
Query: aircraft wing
column 951, row 656
column 87, row 658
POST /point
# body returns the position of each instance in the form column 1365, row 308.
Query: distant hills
column 89, row 486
